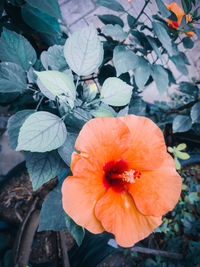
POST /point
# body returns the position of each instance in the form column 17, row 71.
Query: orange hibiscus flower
column 123, row 179
column 179, row 14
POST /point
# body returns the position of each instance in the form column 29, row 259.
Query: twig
column 156, row 252
column 63, row 242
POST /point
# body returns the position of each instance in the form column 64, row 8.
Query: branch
column 63, row 242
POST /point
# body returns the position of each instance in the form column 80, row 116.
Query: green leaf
column 181, row 123
column 52, row 215
column 181, row 155
column 137, row 106
column 160, row 77
column 65, row 151
column 50, row 7
column 142, row 72
column 101, row 112
column 163, row 36
column 179, row 62
column 177, row 163
column 41, row 132
column 153, row 44
column 111, row 4
column 83, row 51
column 187, row 5
column 15, row 48
column 115, row 31
column 124, row 60
column 12, row 78
column 59, row 84
column 111, row 19
column 131, row 20
column 53, row 58
column 187, row 42
column 115, row 92
column 40, row 21
column 181, row 146
column 195, row 113
column 42, row 167
column 75, row 230
column 163, row 9
column 192, row 197
column 14, row 124
column 188, row 88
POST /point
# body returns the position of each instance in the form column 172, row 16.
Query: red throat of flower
column 117, row 174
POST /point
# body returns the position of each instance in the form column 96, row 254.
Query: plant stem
column 142, row 11
column 39, row 103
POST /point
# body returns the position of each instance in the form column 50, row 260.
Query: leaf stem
column 39, row 103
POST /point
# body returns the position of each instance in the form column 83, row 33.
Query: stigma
column 130, row 176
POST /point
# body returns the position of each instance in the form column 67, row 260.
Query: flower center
column 117, row 174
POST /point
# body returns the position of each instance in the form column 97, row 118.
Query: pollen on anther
column 130, row 176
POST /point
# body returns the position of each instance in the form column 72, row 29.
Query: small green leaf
column 181, row 155
column 15, row 48
column 170, row 149
column 12, row 78
column 160, row 77
column 163, row 9
column 14, row 124
column 83, row 51
column 142, row 72
column 181, row 123
column 42, row 167
column 192, row 197
column 177, row 163
column 124, row 60
column 115, row 92
column 111, row 19
column 115, row 31
column 153, row 44
column 111, row 4
column 181, row 146
column 59, row 84
column 195, row 113
column 65, row 151
column 75, row 230
column 53, row 58
column 41, row 132
column 187, row 42
column 101, row 112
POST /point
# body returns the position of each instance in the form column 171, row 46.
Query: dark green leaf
column 131, row 21
column 187, row 42
column 160, row 77
column 137, row 106
column 181, row 123
column 142, row 72
column 53, row 58
column 40, row 21
column 163, row 36
column 111, row 19
column 75, row 230
column 124, row 60
column 12, row 78
column 105, row 72
column 49, row 7
column 163, row 9
column 153, row 44
column 187, row 5
column 188, row 88
column 77, row 118
column 65, row 151
column 171, row 77
column 140, row 38
column 115, row 31
column 179, row 61
column 52, row 215
column 15, row 48
column 195, row 113
column 42, row 167
column 14, row 124
column 111, row 4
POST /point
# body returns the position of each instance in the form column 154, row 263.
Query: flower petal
column 147, row 147
column 157, row 191
column 103, row 139
column 118, row 215
column 79, row 199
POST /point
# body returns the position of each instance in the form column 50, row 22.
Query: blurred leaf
column 41, row 132
column 142, row 72
column 111, row 4
column 53, row 58
column 59, row 84
column 181, row 146
column 181, row 123
column 65, row 151
column 195, row 113
column 163, row 9
column 86, row 60
column 49, row 7
column 75, row 230
column 177, row 163
column 187, row 5
column 115, row 92
column 179, row 62
column 141, row 39
column 188, row 88
column 163, row 36
column 137, row 106
column 115, row 31
column 14, row 124
column 187, row 42
column 192, row 197
column 124, row 60
column 131, row 20
column 160, row 77
column 170, row 77
column 15, row 48
column 12, row 78
column 101, row 112
column 42, row 167
column 77, row 118
column 181, row 155
column 52, row 215
column 39, row 20
column 111, row 19
column 153, row 43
